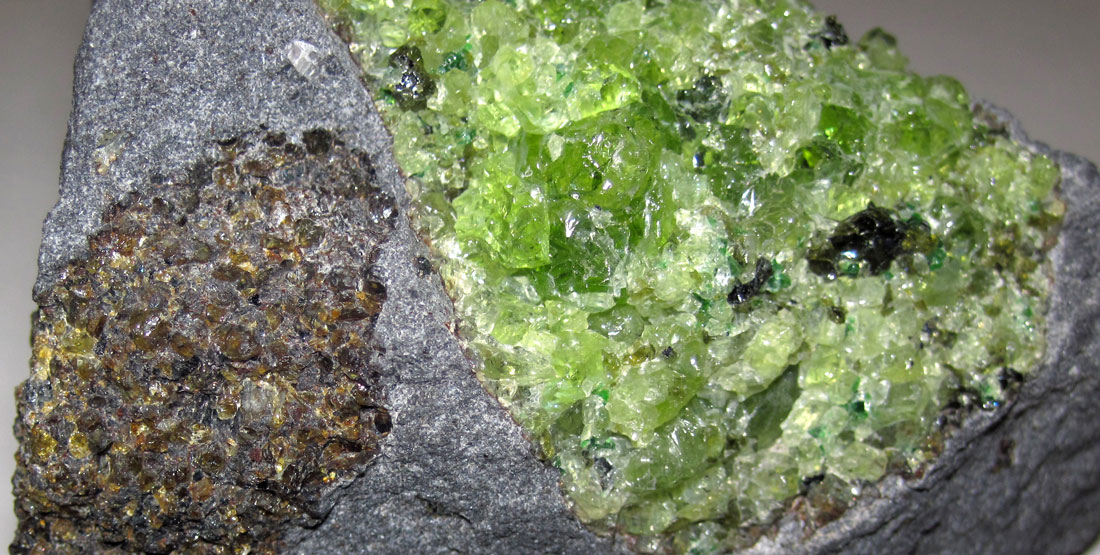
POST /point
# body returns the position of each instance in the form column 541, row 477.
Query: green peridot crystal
column 709, row 253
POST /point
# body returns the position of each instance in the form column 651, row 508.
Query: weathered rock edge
column 170, row 77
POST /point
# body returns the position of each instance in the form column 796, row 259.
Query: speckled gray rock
column 157, row 83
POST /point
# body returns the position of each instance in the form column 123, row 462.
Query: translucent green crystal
column 709, row 252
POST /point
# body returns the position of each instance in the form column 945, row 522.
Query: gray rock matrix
column 158, row 82
column 166, row 80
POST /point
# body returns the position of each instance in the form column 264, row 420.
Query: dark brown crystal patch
column 203, row 377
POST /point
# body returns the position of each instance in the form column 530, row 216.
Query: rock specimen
column 169, row 91
column 171, row 102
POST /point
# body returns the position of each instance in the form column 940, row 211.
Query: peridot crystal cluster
column 710, row 253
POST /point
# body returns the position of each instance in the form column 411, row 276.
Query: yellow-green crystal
column 708, row 252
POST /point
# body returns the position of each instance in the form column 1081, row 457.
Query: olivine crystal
column 203, row 376
column 711, row 254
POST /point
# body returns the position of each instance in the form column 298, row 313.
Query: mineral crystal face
column 711, row 254
column 203, row 377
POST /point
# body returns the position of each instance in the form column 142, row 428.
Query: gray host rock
column 157, row 85
column 165, row 89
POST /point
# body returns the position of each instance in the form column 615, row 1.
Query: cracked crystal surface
column 713, row 255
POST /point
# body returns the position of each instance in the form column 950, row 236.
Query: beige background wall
column 38, row 40
column 1040, row 60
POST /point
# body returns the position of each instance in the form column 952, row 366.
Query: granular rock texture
column 203, row 376
column 157, row 82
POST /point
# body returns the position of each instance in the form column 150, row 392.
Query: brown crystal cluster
column 204, row 376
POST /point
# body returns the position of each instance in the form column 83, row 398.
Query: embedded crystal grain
column 203, row 376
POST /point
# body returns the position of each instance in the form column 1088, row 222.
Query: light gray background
column 1041, row 60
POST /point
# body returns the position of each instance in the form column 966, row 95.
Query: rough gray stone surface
column 168, row 79
column 158, row 82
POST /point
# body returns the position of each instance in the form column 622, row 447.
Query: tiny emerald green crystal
column 710, row 253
